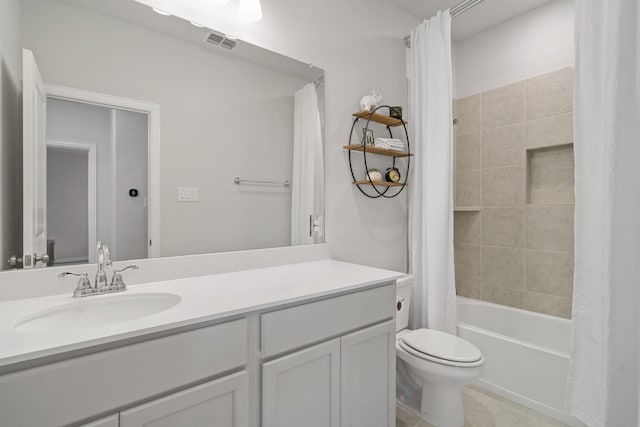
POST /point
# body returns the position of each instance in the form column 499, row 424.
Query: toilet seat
column 440, row 347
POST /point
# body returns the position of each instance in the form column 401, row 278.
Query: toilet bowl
column 435, row 364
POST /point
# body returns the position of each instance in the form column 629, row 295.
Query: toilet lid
column 442, row 345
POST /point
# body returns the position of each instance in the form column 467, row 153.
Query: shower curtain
column 307, row 182
column 605, row 355
column 431, row 199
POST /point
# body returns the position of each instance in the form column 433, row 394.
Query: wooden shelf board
column 376, row 150
column 380, row 183
column 466, row 209
column 383, row 119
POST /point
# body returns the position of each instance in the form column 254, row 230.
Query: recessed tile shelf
column 467, row 209
column 550, row 176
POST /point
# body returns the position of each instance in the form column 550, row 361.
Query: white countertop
column 204, row 299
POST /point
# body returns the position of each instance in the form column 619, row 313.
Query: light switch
column 187, row 194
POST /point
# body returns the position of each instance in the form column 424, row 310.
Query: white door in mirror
column 34, row 167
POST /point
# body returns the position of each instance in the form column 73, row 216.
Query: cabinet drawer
column 79, row 388
column 301, row 325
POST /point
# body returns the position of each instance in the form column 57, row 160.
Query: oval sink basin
column 98, row 311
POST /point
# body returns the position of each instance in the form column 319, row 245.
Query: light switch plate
column 187, row 194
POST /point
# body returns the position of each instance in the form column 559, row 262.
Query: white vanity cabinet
column 345, row 381
column 325, row 360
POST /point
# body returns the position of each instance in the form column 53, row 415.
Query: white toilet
column 432, row 366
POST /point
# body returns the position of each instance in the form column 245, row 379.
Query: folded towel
column 388, row 147
column 391, row 141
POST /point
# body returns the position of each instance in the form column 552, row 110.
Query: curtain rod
column 455, row 11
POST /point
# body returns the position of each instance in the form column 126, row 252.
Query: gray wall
column 219, row 120
column 10, row 131
column 528, row 45
column 67, row 204
column 131, row 172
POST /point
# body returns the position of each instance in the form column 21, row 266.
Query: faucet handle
column 84, row 284
column 128, row 267
column 117, row 281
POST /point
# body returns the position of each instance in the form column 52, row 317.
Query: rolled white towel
column 396, row 145
column 382, row 145
column 388, row 140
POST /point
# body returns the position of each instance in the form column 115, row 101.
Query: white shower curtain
column 431, row 198
column 605, row 354
column 307, row 181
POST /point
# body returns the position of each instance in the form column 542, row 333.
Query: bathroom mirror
column 163, row 137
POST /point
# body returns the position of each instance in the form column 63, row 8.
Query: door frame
column 34, row 163
column 92, row 183
column 153, row 146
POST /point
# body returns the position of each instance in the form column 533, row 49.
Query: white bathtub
column 526, row 354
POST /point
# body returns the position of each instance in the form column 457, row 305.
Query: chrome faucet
column 101, row 286
column 104, row 261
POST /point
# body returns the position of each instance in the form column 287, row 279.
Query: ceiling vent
column 221, row 41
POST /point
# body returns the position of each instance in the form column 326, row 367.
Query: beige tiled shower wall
column 514, row 194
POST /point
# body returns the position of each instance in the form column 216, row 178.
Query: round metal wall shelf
column 381, row 188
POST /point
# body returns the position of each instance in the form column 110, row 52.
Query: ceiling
column 485, row 15
column 479, row 18
column 140, row 15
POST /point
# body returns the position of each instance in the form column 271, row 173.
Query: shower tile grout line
column 519, row 122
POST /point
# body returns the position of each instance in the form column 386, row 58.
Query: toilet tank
column 403, row 301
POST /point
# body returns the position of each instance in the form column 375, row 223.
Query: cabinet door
column 368, row 364
column 303, row 388
column 111, row 421
column 220, row 403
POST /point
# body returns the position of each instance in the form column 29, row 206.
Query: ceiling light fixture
column 250, row 10
column 160, row 11
column 219, row 2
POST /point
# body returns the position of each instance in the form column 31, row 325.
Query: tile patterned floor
column 484, row 409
